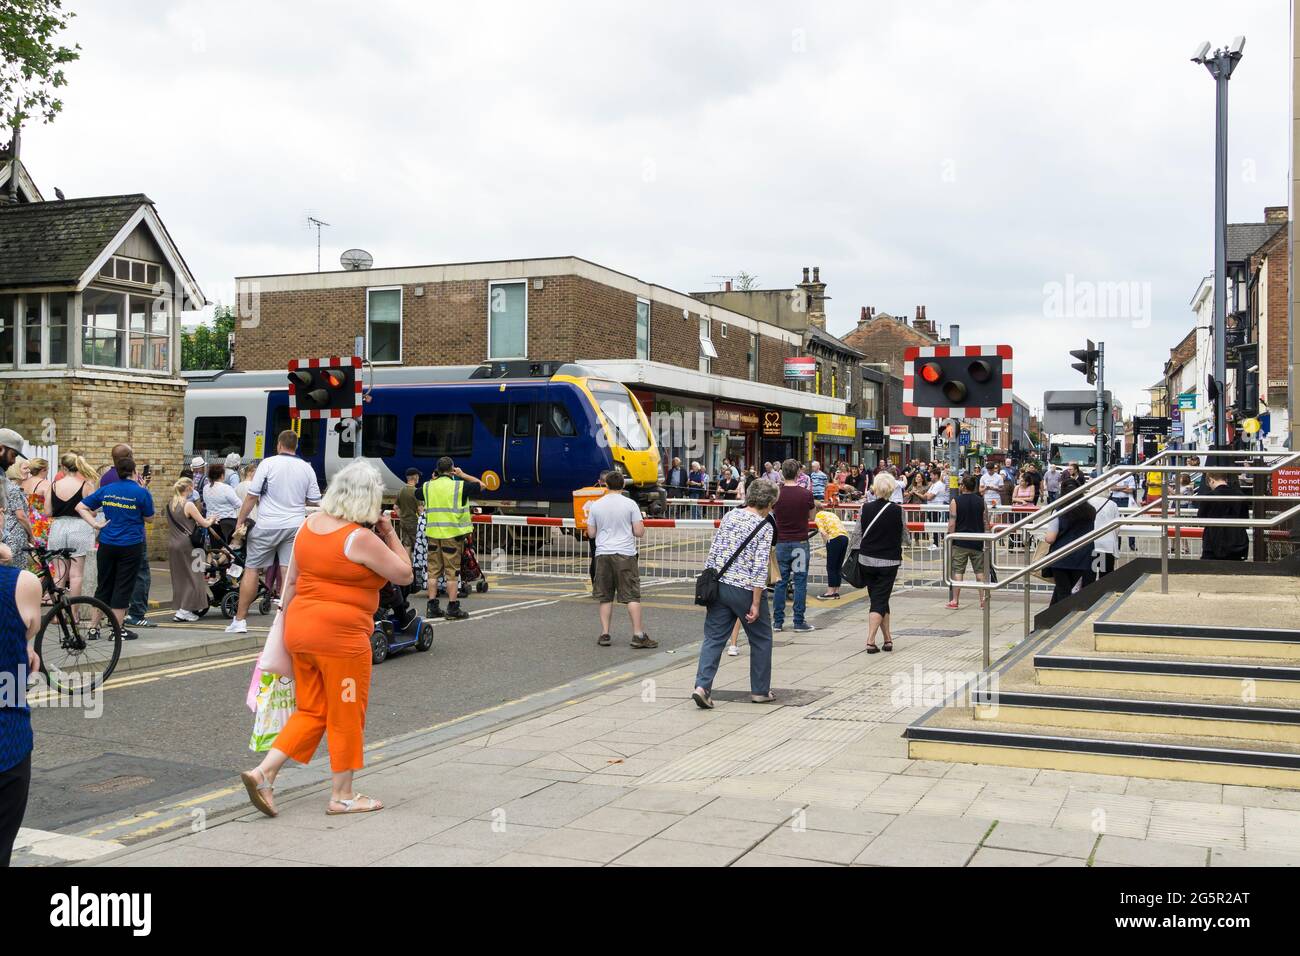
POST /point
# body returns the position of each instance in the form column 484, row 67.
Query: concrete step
column 1213, row 678
column 956, row 734
column 1081, row 708
column 1197, row 640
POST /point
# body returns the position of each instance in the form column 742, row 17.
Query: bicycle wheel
column 70, row 660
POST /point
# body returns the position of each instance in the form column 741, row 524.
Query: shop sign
column 735, row 417
column 839, row 426
column 802, row 368
column 771, row 423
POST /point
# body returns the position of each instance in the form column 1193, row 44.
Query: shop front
column 781, row 433
column 833, row 440
column 736, row 430
column 683, row 427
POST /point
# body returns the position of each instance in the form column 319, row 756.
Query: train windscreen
column 616, row 405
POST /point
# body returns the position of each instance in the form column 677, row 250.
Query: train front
column 631, row 443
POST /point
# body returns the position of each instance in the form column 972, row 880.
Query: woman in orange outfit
column 330, row 596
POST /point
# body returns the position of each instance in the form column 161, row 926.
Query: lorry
column 1069, row 422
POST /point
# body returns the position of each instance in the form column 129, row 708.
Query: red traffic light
column 931, row 372
column 333, row 378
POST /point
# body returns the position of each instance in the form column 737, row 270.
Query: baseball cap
column 198, row 462
column 12, row 440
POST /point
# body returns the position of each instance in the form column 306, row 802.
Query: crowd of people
column 338, row 560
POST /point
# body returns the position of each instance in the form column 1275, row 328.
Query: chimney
column 15, row 145
column 728, row 285
column 817, row 273
column 805, row 273
column 1275, row 214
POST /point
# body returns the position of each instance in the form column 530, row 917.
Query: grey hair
column 355, row 494
column 761, row 494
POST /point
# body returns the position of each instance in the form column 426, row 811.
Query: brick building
column 91, row 292
column 1268, row 302
column 713, row 376
column 802, row 308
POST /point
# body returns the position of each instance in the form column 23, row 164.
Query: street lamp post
column 1220, row 63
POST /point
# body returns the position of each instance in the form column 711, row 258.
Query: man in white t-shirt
column 991, row 486
column 936, row 497
column 614, row 523
column 282, row 489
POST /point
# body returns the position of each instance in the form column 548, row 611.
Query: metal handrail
column 1105, row 480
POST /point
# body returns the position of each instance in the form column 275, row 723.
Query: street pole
column 954, row 447
column 1101, row 392
column 1220, row 64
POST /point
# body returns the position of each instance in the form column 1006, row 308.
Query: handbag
column 706, row 585
column 852, row 570
column 198, row 536
column 1040, row 551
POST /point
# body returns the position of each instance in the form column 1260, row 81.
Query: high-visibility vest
column 444, row 514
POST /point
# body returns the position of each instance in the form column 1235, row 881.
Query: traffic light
column 1087, row 363
column 973, row 381
column 325, row 387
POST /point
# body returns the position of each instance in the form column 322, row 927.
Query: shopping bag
column 275, row 657
column 276, row 701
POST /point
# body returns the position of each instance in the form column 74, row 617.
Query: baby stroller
column 469, row 572
column 225, row 567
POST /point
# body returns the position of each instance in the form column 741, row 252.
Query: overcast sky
column 962, row 155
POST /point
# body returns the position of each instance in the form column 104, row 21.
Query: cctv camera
column 1199, row 55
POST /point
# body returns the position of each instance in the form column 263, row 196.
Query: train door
column 523, row 442
column 311, row 444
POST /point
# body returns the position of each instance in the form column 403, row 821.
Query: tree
column 745, row 281
column 31, row 60
column 207, row 348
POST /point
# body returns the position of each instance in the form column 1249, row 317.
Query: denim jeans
column 792, row 562
column 732, row 603
column 140, row 595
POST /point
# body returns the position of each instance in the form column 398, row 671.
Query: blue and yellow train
column 534, row 432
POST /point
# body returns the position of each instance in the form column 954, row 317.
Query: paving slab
column 1035, row 838
column 911, row 851
column 660, row 852
column 1130, row 852
column 988, row 856
column 825, row 845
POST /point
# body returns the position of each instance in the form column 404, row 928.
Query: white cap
column 12, row 440
column 198, row 462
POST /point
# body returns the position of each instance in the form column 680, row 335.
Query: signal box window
column 507, row 320
column 384, row 325
column 438, row 435
column 219, row 436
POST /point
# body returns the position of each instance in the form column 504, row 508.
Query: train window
column 437, row 435
column 492, row 416
column 559, row 421
column 521, row 419
column 308, row 441
column 379, row 436
column 219, row 436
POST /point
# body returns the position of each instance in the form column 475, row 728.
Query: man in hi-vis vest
column 446, row 525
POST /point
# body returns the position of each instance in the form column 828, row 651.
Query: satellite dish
column 354, row 259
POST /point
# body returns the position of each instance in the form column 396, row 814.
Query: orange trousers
column 332, row 693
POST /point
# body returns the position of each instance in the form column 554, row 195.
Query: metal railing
column 1165, row 463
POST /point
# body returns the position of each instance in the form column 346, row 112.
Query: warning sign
column 1286, row 481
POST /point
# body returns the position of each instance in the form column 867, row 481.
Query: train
column 534, row 432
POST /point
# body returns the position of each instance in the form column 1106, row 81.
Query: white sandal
column 256, row 789
column 350, row 806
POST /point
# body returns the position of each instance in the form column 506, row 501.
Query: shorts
column 406, row 534
column 117, row 566
column 74, row 533
column 616, row 575
column 962, row 556
column 444, row 557
column 268, row 545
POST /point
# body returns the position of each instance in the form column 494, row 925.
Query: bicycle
column 82, row 658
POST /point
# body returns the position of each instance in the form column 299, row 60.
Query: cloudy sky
column 962, row 155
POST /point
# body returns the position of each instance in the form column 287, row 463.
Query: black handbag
column 198, row 536
column 706, row 585
column 853, row 570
